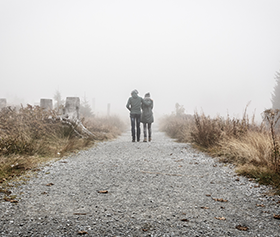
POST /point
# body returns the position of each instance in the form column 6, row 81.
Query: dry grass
column 105, row 127
column 31, row 136
column 178, row 127
column 251, row 147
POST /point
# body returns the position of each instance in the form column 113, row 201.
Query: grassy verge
column 32, row 136
column 253, row 148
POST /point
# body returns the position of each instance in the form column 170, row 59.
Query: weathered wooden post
column 46, row 104
column 72, row 108
column 3, row 103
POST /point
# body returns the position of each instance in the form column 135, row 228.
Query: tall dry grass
column 177, row 126
column 252, row 147
column 105, row 127
column 31, row 135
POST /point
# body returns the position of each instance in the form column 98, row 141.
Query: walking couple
column 135, row 104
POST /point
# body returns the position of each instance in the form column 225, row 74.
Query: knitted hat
column 134, row 91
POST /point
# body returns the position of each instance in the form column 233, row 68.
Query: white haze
column 210, row 55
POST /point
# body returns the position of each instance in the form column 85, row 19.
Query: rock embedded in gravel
column 151, row 189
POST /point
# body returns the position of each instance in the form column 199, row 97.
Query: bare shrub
column 206, row 132
column 272, row 116
column 31, row 133
column 253, row 147
column 178, row 127
column 105, row 127
column 21, row 131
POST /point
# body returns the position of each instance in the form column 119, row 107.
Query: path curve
column 161, row 188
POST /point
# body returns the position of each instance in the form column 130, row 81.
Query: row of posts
column 70, row 110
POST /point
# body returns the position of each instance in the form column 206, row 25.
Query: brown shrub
column 178, row 127
column 105, row 127
column 31, row 133
column 239, row 141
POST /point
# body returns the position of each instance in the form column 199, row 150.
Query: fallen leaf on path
column 204, row 207
column 185, row 220
column 50, row 184
column 102, row 191
column 44, row 193
column 145, row 230
column 276, row 216
column 5, row 191
column 256, row 186
column 266, row 212
column 63, row 162
column 251, row 179
column 220, row 200
column 171, row 154
column 214, row 165
column 220, row 218
column 237, row 179
column 82, row 232
column 180, row 166
column 208, row 195
column 79, row 213
column 196, row 163
column 243, row 228
column 260, row 205
column 10, row 200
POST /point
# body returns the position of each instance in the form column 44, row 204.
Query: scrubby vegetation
column 253, row 148
column 31, row 135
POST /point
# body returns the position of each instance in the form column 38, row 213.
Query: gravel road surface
column 158, row 188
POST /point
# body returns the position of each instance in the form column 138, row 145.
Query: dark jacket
column 147, row 110
column 134, row 103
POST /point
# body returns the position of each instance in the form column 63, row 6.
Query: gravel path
column 161, row 188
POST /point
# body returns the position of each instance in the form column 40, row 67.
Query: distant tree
column 180, row 110
column 57, row 98
column 59, row 103
column 276, row 92
column 85, row 109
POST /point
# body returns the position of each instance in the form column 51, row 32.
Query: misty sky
column 210, row 55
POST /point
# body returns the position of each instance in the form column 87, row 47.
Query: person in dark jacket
column 134, row 106
column 147, row 117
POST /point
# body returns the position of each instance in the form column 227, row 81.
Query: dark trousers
column 135, row 121
column 149, row 129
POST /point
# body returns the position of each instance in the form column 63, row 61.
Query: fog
column 214, row 56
